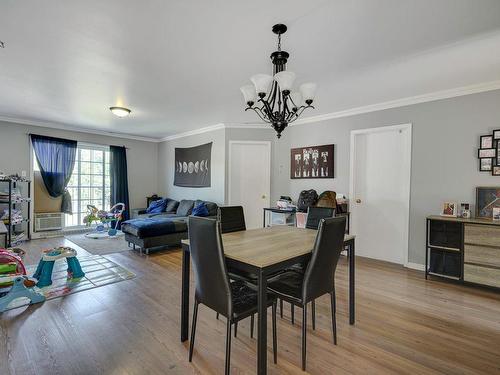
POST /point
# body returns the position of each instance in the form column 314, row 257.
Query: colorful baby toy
column 107, row 221
column 14, row 283
column 44, row 270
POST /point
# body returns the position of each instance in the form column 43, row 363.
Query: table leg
column 185, row 294
column 352, row 285
column 262, row 327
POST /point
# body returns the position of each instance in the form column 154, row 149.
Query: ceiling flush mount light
column 120, row 111
column 272, row 97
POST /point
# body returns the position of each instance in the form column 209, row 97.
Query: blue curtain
column 56, row 159
column 119, row 178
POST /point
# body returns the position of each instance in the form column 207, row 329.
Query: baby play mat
column 99, row 271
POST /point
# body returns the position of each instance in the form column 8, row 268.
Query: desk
column 264, row 251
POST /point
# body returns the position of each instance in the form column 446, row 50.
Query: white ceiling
column 179, row 64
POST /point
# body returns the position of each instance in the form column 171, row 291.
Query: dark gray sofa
column 154, row 230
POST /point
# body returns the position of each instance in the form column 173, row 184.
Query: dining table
column 264, row 252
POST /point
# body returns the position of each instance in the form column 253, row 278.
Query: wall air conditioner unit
column 49, row 221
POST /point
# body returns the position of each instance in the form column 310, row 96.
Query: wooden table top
column 267, row 246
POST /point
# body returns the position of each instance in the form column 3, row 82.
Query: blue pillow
column 200, row 210
column 156, row 207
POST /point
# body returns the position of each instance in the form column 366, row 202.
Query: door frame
column 268, row 172
column 407, row 187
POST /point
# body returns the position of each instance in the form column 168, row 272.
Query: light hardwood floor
column 404, row 325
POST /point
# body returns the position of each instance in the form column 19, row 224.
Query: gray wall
column 166, row 159
column 444, row 153
column 15, row 156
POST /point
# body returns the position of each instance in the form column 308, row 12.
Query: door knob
column 263, row 196
column 358, row 200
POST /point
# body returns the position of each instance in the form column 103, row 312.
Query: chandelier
column 272, row 98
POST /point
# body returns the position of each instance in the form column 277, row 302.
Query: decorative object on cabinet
column 193, row 166
column 496, row 213
column 465, row 210
column 465, row 250
column 449, row 209
column 312, row 162
column 486, row 199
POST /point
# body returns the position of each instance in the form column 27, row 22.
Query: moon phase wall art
column 312, row 162
column 193, row 166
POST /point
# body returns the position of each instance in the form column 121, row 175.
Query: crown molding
column 403, row 102
column 189, row 133
column 59, row 126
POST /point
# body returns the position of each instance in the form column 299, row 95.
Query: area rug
column 99, row 271
column 100, row 246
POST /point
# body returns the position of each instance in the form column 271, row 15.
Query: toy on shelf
column 107, row 221
column 14, row 283
column 44, row 270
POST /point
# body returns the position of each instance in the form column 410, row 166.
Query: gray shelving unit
column 10, row 203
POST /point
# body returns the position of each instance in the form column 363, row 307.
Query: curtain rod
column 88, row 143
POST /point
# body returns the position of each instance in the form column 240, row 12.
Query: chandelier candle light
column 272, row 97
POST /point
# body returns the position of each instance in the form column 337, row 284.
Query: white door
column 380, row 191
column 250, row 179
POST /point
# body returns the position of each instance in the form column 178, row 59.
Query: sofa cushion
column 200, row 210
column 172, row 205
column 151, row 227
column 211, row 206
column 185, row 207
column 157, row 206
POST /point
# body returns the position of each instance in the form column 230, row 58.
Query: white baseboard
column 415, row 266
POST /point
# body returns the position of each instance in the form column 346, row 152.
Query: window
column 89, row 183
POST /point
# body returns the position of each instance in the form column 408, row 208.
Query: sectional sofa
column 154, row 230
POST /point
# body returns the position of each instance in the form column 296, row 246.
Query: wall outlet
column 23, row 173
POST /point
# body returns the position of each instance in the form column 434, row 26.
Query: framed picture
column 487, row 198
column 495, row 170
column 486, row 141
column 465, row 210
column 496, row 213
column 312, row 162
column 193, row 166
column 487, row 153
column 485, row 165
column 496, row 134
column 449, row 209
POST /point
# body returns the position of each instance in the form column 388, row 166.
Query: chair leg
column 334, row 316
column 252, row 323
column 228, row 347
column 281, row 308
column 304, row 333
column 313, row 312
column 193, row 330
column 275, row 344
column 236, row 329
column 292, row 309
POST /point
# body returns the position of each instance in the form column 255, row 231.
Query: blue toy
column 44, row 270
column 21, row 290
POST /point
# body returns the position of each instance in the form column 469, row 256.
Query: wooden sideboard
column 465, row 250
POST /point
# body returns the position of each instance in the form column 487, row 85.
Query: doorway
column 380, row 191
column 249, row 178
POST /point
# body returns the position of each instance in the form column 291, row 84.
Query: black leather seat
column 232, row 219
column 315, row 214
column 318, row 279
column 235, row 300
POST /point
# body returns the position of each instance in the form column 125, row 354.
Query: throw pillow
column 156, row 207
column 200, row 210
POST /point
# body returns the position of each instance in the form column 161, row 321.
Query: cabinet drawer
column 488, row 256
column 488, row 235
column 482, row 275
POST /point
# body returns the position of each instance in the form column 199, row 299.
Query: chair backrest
column 315, row 214
column 207, row 254
column 320, row 272
column 231, row 219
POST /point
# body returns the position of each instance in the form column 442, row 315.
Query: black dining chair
column 235, row 300
column 318, row 279
column 231, row 218
column 315, row 214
